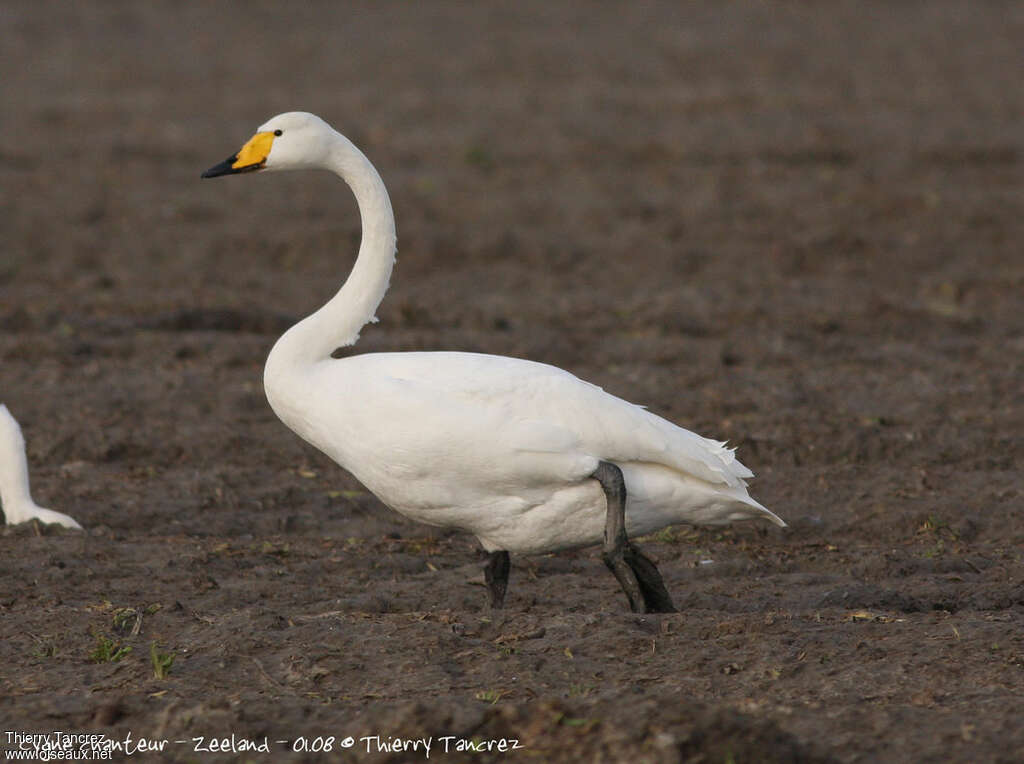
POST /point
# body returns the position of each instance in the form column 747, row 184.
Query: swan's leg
column 496, row 576
column 638, row 576
column 656, row 596
column 615, row 539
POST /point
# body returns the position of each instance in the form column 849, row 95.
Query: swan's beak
column 252, row 156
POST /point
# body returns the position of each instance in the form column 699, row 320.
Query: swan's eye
column 277, row 132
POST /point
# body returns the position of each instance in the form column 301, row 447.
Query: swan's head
column 295, row 140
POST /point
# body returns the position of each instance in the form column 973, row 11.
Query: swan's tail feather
column 762, row 511
column 734, row 505
column 739, row 490
column 663, row 496
column 728, row 457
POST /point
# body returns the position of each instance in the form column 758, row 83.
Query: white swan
column 14, row 489
column 525, row 456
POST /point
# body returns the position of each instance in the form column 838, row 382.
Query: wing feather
column 542, row 408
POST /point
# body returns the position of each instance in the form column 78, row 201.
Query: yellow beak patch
column 254, row 152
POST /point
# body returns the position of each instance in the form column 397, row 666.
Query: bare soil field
column 797, row 227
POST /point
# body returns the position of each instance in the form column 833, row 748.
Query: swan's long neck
column 14, row 488
column 338, row 322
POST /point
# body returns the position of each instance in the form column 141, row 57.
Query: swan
column 523, row 455
column 14, row 489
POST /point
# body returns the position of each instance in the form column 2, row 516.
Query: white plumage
column 15, row 496
column 500, row 447
column 504, row 448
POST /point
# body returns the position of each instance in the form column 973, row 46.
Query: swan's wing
column 539, row 408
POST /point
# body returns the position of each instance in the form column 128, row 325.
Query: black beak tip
column 224, row 168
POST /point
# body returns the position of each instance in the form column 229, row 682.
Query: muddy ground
column 795, row 227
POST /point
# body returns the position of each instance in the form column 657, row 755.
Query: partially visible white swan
column 525, row 456
column 14, row 490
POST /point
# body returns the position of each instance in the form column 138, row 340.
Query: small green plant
column 127, row 620
column 666, row 535
column 480, row 158
column 45, row 648
column 162, row 662
column 108, row 650
column 569, row 721
column 490, row 696
column 936, row 525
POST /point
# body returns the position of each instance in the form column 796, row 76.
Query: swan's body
column 503, row 448
column 15, row 496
